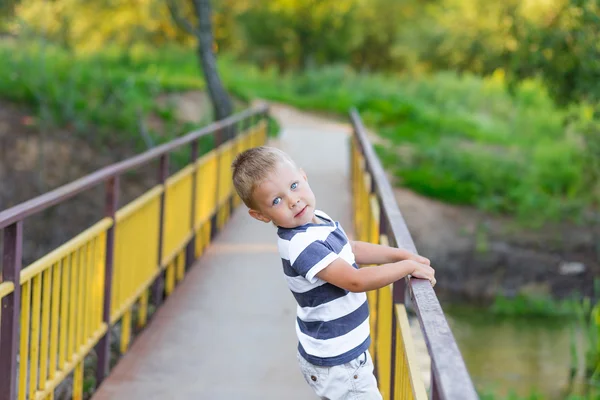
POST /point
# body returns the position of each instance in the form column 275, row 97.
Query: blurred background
column 486, row 116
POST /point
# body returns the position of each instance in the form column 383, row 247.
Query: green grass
column 512, row 396
column 461, row 139
column 101, row 95
column 534, row 306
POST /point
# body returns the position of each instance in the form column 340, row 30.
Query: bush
column 470, row 140
column 101, row 92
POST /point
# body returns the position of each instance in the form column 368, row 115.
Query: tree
column 564, row 51
column 222, row 105
column 299, row 34
column 7, row 9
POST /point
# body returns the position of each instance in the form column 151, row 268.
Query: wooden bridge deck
column 227, row 332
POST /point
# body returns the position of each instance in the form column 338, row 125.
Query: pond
column 519, row 355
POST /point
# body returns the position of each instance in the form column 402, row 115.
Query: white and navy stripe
column 332, row 323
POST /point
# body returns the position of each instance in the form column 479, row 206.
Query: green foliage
column 96, row 93
column 462, row 139
column 299, row 33
column 588, row 123
column 486, row 395
column 555, row 39
column 91, row 26
column 89, row 385
column 588, row 319
column 274, row 127
column 533, row 306
column 563, row 50
column 6, row 14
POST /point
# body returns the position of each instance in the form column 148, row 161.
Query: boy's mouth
column 301, row 212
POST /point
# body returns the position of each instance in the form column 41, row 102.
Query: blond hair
column 252, row 166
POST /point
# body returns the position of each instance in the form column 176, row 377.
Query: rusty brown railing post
column 265, row 116
column 399, row 288
column 217, row 140
column 103, row 346
column 398, row 292
column 190, row 251
column 247, row 125
column 435, row 391
column 11, row 307
column 159, row 283
column 237, row 129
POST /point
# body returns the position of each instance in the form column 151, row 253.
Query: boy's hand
column 423, row 271
column 420, row 259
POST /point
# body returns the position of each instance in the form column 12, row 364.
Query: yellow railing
column 206, row 189
column 61, row 312
column 137, row 232
column 407, row 381
column 62, row 294
column 377, row 219
column 136, row 253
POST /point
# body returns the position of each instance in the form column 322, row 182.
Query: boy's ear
column 257, row 215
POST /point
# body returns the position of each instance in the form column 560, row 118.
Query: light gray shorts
column 353, row 380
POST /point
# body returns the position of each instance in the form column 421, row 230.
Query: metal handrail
column 14, row 279
column 40, row 203
column 449, row 376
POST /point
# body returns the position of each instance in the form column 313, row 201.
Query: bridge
column 198, row 283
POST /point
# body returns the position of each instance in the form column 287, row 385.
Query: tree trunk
column 222, row 106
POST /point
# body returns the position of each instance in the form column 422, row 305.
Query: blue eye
column 277, row 201
column 294, row 185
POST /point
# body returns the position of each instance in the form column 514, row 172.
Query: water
column 521, row 355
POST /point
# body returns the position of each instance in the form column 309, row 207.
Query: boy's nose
column 293, row 202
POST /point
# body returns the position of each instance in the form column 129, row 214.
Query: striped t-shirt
column 332, row 323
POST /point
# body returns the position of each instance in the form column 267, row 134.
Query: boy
column 320, row 266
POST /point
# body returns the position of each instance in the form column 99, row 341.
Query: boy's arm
column 344, row 275
column 369, row 253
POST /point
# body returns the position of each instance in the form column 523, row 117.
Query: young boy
column 320, row 265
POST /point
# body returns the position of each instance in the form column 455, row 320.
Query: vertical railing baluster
column 399, row 293
column 110, row 209
column 265, row 116
column 159, row 283
column 435, row 391
column 394, row 354
column 234, row 130
column 235, row 133
column 190, row 250
column 248, row 124
column 11, row 307
column 399, row 284
column 218, row 136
